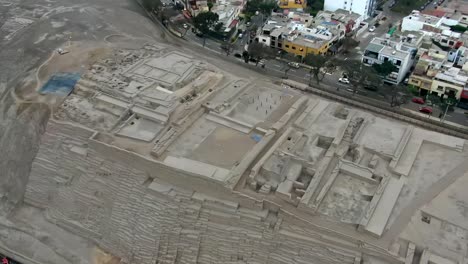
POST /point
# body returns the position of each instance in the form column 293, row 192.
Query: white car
column 185, row 26
column 372, row 29
column 343, row 80
column 294, row 65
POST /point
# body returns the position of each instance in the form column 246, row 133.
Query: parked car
column 240, row 35
column 371, row 88
column 372, row 29
column 425, row 109
column 247, row 24
column 418, row 100
column 238, row 55
column 294, row 65
column 185, row 26
column 343, row 80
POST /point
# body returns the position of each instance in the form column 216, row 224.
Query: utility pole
column 449, row 102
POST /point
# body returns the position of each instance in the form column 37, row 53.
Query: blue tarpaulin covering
column 61, row 84
column 256, row 137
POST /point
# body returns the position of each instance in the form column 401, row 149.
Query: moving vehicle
column 426, row 109
column 372, row 29
column 294, row 65
column 343, row 80
column 418, row 100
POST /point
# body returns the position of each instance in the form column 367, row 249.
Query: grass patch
column 406, row 6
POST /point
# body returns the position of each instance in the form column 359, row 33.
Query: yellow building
column 302, row 46
column 292, row 4
column 449, row 83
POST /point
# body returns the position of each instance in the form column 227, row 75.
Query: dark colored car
column 371, row 88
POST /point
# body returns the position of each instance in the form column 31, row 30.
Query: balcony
column 370, row 54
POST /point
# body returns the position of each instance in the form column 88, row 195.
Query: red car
column 426, row 110
column 418, row 100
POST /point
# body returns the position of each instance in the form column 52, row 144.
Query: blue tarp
column 61, row 84
column 256, row 137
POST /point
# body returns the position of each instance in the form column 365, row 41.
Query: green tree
column 385, row 68
column 445, row 105
column 245, row 55
column 264, row 7
column 359, row 75
column 227, row 46
column 259, row 51
column 396, row 94
column 218, row 27
column 348, row 44
column 152, row 5
column 210, row 6
column 204, row 22
column 318, row 64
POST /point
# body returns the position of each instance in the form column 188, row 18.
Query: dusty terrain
column 30, row 31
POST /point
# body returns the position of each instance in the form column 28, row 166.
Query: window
column 273, row 43
column 264, row 40
column 287, row 46
column 398, row 63
column 301, row 49
column 279, row 45
column 440, row 88
column 451, row 42
column 293, row 48
column 385, row 59
column 444, row 41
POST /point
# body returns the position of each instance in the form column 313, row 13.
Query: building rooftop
column 428, row 19
column 389, row 48
column 308, row 41
column 454, row 75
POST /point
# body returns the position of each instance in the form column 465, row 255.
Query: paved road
column 278, row 69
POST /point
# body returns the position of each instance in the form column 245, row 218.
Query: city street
column 278, row 69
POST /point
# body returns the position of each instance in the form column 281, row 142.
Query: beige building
column 429, row 64
column 450, row 82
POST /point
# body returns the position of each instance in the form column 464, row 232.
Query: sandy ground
column 30, row 32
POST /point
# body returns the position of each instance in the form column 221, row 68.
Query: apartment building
column 349, row 20
column 309, row 41
column 450, row 82
column 400, row 50
column 418, row 21
column 428, row 65
column 365, row 8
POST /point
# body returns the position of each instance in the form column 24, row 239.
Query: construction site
column 145, row 153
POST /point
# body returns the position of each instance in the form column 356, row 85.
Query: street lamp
column 449, row 101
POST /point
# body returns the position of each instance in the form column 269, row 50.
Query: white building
column 365, row 8
column 399, row 53
column 417, row 21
